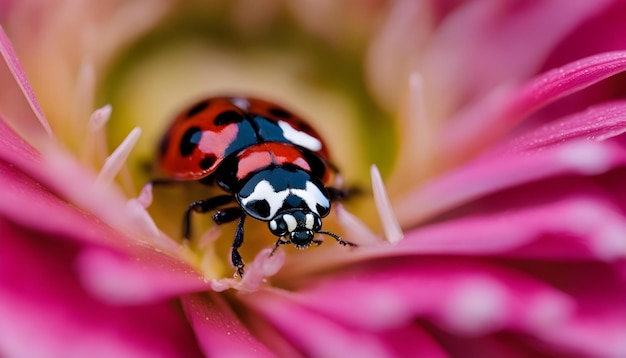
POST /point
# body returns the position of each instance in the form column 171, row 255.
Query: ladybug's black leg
column 202, row 206
column 281, row 241
column 337, row 194
column 165, row 182
column 339, row 239
column 228, row 215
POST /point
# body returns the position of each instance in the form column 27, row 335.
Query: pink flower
column 507, row 187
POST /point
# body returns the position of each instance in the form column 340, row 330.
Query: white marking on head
column 312, row 196
column 292, row 223
column 265, row 191
column 300, row 138
column 273, row 225
column 310, row 221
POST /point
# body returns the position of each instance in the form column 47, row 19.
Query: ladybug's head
column 297, row 227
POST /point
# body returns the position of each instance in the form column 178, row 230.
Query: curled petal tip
column 265, row 264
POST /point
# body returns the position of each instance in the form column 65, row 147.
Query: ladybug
column 271, row 164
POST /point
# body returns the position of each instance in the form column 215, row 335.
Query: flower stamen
column 85, row 90
column 145, row 195
column 356, row 230
column 418, row 143
column 113, row 164
column 391, row 227
column 99, row 118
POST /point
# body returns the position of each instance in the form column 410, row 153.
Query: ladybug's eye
column 278, row 226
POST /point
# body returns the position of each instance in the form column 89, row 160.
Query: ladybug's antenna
column 339, row 239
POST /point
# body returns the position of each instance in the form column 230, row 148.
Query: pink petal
column 596, row 123
column 503, row 344
column 414, row 341
column 600, row 33
column 582, row 226
column 60, row 173
column 32, row 126
column 14, row 149
column 46, row 312
column 494, row 173
column 479, row 127
column 509, row 41
column 144, row 275
column 218, row 330
column 462, row 296
column 107, row 267
column 598, row 326
column 25, row 202
column 313, row 334
column 568, row 218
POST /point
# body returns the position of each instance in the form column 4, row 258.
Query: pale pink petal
column 28, row 125
column 390, row 57
column 46, row 312
column 416, row 150
column 484, row 43
column 472, row 130
column 494, row 173
column 54, row 40
column 219, row 331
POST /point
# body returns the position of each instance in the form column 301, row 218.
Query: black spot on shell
column 281, row 113
column 190, row 141
column 227, row 117
column 207, row 162
column 197, row 108
column 321, row 210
